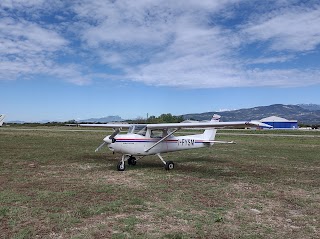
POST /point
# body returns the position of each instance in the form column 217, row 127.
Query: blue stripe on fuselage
column 150, row 141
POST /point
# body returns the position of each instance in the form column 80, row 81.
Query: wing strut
column 164, row 138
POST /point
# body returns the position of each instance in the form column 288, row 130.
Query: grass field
column 53, row 185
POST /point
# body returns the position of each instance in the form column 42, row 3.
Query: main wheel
column 169, row 165
column 132, row 161
column 121, row 166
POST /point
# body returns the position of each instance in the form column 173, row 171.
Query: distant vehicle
column 2, row 119
column 153, row 139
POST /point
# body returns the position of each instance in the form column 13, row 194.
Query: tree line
column 164, row 118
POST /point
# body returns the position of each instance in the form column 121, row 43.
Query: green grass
column 53, row 185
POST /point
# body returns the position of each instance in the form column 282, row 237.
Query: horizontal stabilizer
column 219, row 142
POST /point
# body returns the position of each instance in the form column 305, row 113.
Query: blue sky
column 79, row 59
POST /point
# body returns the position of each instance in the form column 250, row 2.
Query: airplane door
column 155, row 136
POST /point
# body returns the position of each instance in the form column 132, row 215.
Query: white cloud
column 141, row 23
column 22, row 37
column 11, row 70
column 293, row 28
column 13, row 4
column 269, row 60
column 208, row 75
column 283, row 78
column 27, row 50
column 163, row 43
column 172, row 44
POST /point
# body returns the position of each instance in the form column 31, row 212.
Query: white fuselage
column 135, row 144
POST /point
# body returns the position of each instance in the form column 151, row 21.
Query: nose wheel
column 131, row 161
column 121, row 166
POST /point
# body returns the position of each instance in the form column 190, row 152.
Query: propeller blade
column 117, row 131
column 101, row 145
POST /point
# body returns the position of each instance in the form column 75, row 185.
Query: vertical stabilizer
column 210, row 134
column 2, row 119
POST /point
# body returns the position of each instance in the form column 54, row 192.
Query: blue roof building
column 280, row 123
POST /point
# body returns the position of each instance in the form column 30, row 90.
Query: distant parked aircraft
column 2, row 119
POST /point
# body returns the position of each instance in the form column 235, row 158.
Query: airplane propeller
column 117, row 131
column 109, row 139
column 100, row 146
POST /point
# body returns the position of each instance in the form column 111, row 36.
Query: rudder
column 210, row 134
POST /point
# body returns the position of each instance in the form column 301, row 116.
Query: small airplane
column 153, row 139
column 2, row 119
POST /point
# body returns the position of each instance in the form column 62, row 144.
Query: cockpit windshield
column 138, row 129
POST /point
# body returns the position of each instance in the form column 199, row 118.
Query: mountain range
column 107, row 119
column 304, row 113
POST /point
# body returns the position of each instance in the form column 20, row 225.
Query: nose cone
column 107, row 139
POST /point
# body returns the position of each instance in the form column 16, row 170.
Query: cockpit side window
column 140, row 129
column 130, row 130
column 157, row 133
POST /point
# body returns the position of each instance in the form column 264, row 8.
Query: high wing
column 210, row 124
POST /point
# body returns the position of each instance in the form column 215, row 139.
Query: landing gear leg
column 167, row 165
column 121, row 165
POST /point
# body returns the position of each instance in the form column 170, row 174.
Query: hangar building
column 280, row 123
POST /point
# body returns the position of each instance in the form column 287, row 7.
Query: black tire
column 169, row 165
column 132, row 161
column 121, row 167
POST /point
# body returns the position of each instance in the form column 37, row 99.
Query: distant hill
column 310, row 106
column 102, row 120
column 290, row 112
column 15, row 122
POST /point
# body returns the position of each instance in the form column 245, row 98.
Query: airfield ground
column 53, row 185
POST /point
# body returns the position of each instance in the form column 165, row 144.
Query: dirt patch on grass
column 94, row 174
column 281, row 211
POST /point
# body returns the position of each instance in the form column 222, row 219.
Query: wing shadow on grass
column 197, row 164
